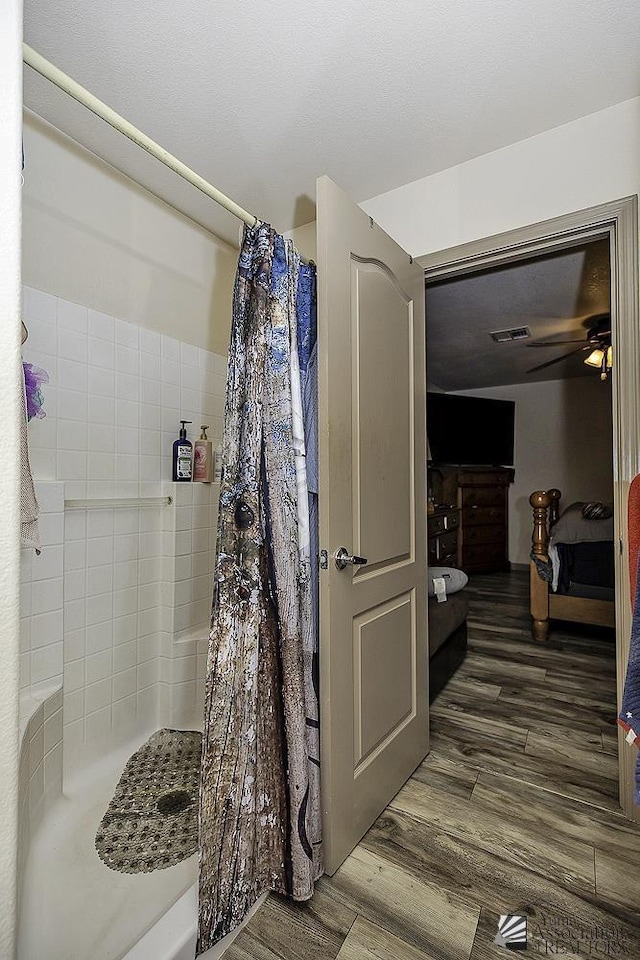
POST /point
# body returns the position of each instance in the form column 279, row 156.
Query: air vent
column 516, row 333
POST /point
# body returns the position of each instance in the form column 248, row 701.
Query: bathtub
column 71, row 906
column 173, row 937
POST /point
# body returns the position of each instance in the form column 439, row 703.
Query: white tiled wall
column 186, row 594
column 40, row 778
column 135, row 584
column 42, row 597
column 117, row 394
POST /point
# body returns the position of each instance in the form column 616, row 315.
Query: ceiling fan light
column 595, row 358
column 609, row 357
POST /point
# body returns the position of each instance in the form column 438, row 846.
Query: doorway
column 617, row 224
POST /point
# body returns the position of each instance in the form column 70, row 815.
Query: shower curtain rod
column 65, row 83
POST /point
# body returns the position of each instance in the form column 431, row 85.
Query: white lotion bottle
column 217, row 468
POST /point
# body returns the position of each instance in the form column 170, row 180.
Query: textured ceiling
column 554, row 296
column 260, row 99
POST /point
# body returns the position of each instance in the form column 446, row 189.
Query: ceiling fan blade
column 553, row 343
column 549, row 363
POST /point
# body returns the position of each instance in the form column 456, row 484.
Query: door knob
column 343, row 558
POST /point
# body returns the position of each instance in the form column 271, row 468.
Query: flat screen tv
column 470, row 431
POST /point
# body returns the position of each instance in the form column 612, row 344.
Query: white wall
column 564, row 439
column 589, row 161
column 95, row 237
column 10, row 398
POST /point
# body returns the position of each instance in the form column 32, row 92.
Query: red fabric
column 634, row 532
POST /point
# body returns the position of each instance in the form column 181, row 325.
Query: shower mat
column 152, row 821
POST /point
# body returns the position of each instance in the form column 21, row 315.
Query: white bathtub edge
column 173, row 937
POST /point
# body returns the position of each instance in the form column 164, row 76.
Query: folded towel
column 29, row 509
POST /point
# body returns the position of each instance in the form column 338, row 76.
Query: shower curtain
column 260, row 823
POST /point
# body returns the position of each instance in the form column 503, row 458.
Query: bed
column 572, row 565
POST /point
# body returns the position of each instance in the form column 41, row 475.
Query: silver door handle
column 343, row 558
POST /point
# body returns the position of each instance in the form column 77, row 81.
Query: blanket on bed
column 573, row 527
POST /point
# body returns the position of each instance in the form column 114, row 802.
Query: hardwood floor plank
column 420, row 912
column 547, row 717
column 284, row 930
column 574, row 755
column 482, row 754
column 438, row 771
column 609, row 736
column 524, row 843
column 481, row 667
column 493, row 882
column 510, row 627
column 368, row 941
column 566, row 676
column 618, row 880
column 473, row 688
column 532, row 654
column 610, row 832
column 515, row 735
column 593, row 696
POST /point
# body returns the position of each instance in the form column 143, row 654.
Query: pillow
column 454, row 580
column 572, row 527
column 596, row 510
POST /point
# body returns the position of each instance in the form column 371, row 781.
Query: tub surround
column 115, row 610
column 117, row 606
column 40, row 776
column 72, row 904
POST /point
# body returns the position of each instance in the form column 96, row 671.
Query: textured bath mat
column 152, row 820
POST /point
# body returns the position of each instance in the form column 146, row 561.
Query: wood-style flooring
column 514, row 811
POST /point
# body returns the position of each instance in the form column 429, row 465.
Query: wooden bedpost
column 554, row 506
column 539, row 588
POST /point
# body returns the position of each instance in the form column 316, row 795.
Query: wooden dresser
column 481, row 495
column 442, row 529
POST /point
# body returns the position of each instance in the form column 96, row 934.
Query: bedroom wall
column 563, row 438
column 95, row 237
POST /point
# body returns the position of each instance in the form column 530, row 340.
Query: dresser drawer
column 451, row 560
column 443, row 522
column 485, row 534
column 478, row 557
column 485, row 478
column 475, row 515
column 483, row 497
column 442, row 546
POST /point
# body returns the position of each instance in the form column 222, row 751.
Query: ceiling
column 260, row 99
column 555, row 296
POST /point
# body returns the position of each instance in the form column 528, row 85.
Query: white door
column 374, row 716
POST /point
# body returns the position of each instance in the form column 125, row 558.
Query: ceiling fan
column 597, row 342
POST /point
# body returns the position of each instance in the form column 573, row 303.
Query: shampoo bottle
column 203, row 457
column 182, row 455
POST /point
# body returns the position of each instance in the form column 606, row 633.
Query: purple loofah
column 33, row 377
